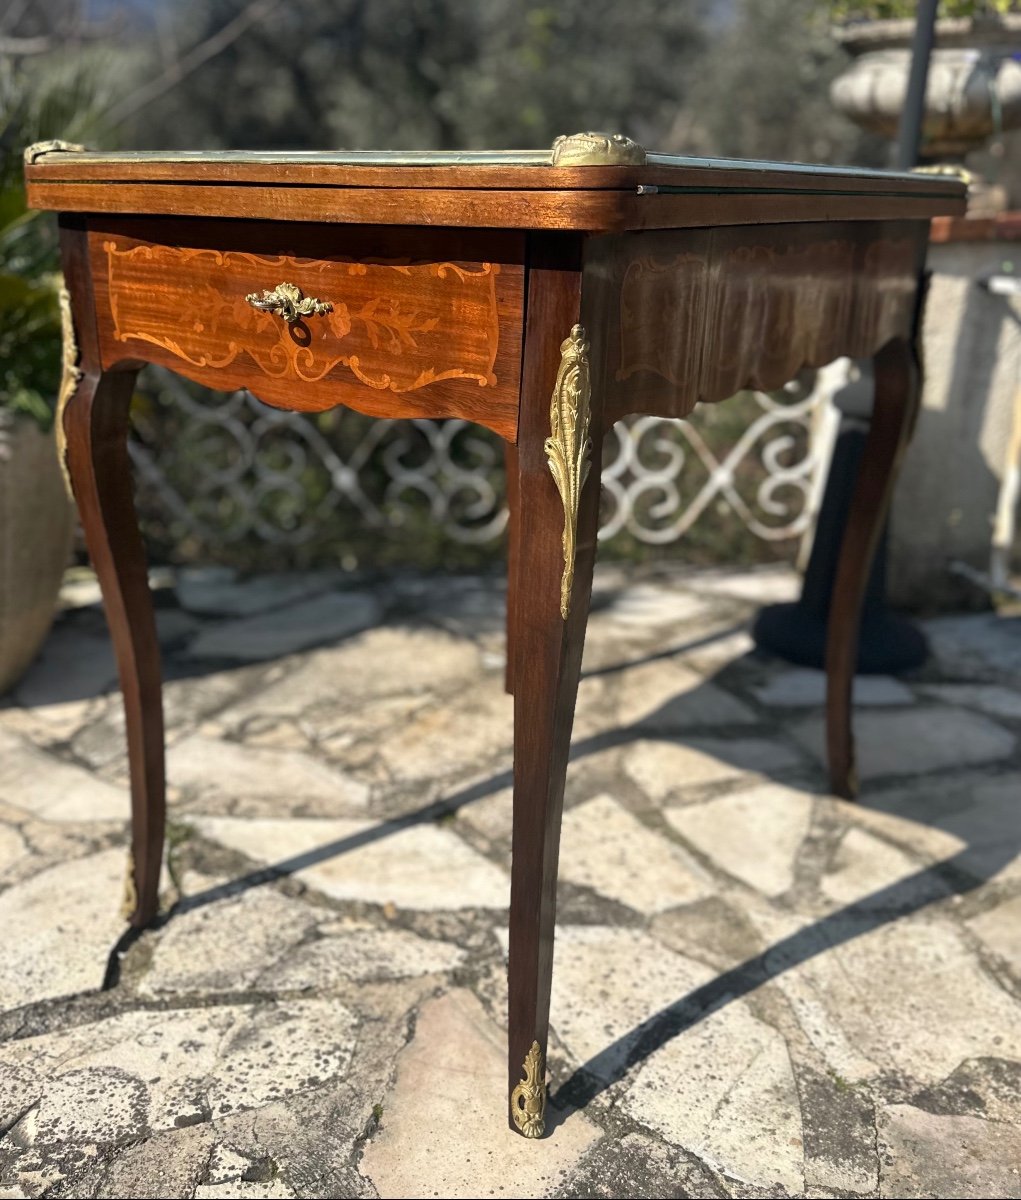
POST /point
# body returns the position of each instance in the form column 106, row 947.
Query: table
column 543, row 295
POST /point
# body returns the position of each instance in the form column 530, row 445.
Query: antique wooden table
column 542, row 295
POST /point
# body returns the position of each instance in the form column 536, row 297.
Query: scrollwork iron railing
column 649, row 455
column 238, row 482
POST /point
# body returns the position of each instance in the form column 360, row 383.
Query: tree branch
column 118, row 113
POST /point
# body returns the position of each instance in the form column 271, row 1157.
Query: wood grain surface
column 444, row 306
column 410, row 334
column 897, row 398
column 699, row 315
column 547, row 649
column 96, row 428
column 331, row 169
column 538, row 208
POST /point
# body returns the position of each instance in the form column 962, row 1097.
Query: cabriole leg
column 95, row 413
column 897, row 388
column 510, row 458
column 557, row 514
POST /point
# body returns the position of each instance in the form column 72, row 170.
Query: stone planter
column 35, row 539
column 974, row 84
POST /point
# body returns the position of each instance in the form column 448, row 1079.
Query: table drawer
column 410, row 327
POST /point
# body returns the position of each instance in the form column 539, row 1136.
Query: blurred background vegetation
column 728, row 77
column 736, row 77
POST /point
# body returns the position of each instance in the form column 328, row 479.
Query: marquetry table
column 542, row 295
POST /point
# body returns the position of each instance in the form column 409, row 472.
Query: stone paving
column 759, row 990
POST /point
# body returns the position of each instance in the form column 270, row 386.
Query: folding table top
column 588, row 182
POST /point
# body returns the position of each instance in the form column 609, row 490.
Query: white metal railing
column 236, row 468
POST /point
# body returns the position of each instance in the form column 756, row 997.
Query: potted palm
column 35, row 511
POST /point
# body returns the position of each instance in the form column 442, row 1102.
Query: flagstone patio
column 759, row 990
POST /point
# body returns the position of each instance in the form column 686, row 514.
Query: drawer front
column 406, row 335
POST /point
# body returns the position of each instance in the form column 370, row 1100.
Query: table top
column 585, row 181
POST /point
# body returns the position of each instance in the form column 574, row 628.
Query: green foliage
column 38, row 100
column 762, row 89
column 438, row 74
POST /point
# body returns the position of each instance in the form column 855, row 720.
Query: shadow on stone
column 112, row 974
column 987, row 822
column 993, row 842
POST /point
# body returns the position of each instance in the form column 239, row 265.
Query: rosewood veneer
column 542, row 295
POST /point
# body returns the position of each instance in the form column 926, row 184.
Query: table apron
column 429, row 322
column 684, row 316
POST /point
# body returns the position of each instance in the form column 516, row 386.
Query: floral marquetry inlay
column 389, row 324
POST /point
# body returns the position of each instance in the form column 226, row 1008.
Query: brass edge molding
column 70, row 377
column 528, row 1099
column 596, row 150
column 950, row 170
column 54, row 146
column 567, row 448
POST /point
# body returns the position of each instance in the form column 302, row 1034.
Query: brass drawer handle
column 287, row 301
